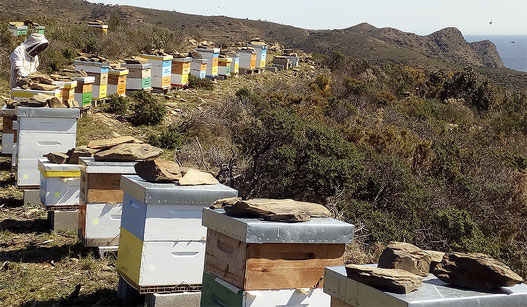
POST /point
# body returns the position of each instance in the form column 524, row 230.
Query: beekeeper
column 24, row 60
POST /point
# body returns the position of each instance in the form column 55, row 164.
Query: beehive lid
column 184, row 60
column 49, row 169
column 433, row 292
column 251, row 230
column 89, row 165
column 92, row 63
column 157, row 57
column 7, row 112
column 202, row 61
column 140, row 66
column 47, row 112
column 85, row 80
column 173, row 194
column 119, row 72
column 209, row 50
column 65, row 84
column 17, row 27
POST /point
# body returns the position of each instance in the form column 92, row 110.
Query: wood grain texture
column 101, row 188
column 269, row 266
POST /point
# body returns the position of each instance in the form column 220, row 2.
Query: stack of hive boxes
column 41, row 131
column 17, row 29
column 212, row 55
column 101, row 201
column 99, row 71
column 162, row 244
column 247, row 59
column 8, row 131
column 261, row 52
column 161, row 70
column 139, row 77
column 198, row 68
column 251, row 262
column 117, row 81
column 67, row 91
column 180, row 71
column 281, row 62
column 60, row 191
column 293, row 58
column 83, row 91
column 99, row 26
column 235, row 65
column 224, row 66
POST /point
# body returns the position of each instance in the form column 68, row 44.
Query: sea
column 512, row 48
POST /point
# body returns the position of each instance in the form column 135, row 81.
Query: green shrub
column 146, row 109
column 169, row 138
column 117, row 104
column 197, row 83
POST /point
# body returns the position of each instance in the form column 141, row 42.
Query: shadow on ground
column 25, row 226
column 38, row 254
column 104, row 297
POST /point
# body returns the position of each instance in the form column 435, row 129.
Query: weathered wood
column 101, row 188
column 269, row 266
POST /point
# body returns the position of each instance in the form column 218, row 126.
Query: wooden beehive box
column 59, row 184
column 161, row 70
column 198, row 68
column 253, row 254
column 117, row 81
column 139, row 76
column 8, row 131
column 212, row 55
column 83, row 91
column 261, row 54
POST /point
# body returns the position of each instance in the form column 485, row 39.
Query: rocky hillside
column 440, row 48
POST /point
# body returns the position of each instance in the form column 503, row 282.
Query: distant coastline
column 512, row 49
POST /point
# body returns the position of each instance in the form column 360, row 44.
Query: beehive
column 247, row 58
column 252, row 254
column 67, row 89
column 59, row 184
column 346, row 292
column 198, row 68
column 217, row 292
column 281, row 60
column 8, row 131
column 293, row 58
column 261, row 53
column 99, row 71
column 224, row 66
column 83, row 91
column 18, row 93
column 212, row 55
column 161, row 70
column 180, row 71
column 139, row 77
column 162, row 240
column 117, row 81
column 41, row 131
column 101, row 201
column 100, row 28
column 235, row 65
column 17, row 30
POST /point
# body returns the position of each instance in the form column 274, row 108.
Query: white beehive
column 161, row 70
column 198, row 68
column 8, row 131
column 41, row 131
column 261, row 53
column 212, row 55
column 59, row 183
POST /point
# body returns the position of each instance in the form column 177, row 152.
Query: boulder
column 281, row 210
column 57, row 157
column 43, row 87
column 108, row 143
column 195, row 177
column 55, row 103
column 78, row 152
column 435, row 258
column 128, row 152
column 393, row 280
column 405, row 256
column 475, row 271
column 158, row 170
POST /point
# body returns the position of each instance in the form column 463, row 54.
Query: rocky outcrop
column 475, row 271
column 393, row 280
column 405, row 256
column 488, row 53
column 128, row 152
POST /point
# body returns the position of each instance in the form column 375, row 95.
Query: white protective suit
column 22, row 64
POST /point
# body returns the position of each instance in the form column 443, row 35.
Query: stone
column 393, row 280
column 435, row 258
column 40, row 78
column 79, row 152
column 158, row 170
column 475, row 271
column 195, row 177
column 280, row 210
column 70, row 103
column 108, row 143
column 57, row 157
column 405, row 256
column 128, row 152
column 43, row 87
column 55, row 103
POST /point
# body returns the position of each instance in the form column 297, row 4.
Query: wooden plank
column 290, row 266
column 103, row 188
column 82, row 221
column 225, row 257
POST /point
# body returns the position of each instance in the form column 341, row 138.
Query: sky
column 417, row 16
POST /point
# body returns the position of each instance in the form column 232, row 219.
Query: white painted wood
column 103, row 220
